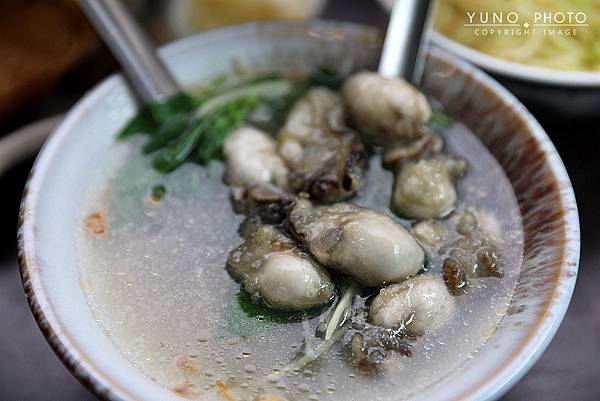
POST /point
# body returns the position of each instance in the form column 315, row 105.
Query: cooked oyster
column 426, row 145
column 425, row 189
column 371, row 345
column 368, row 246
column 455, row 276
column 419, row 304
column 325, row 158
column 474, row 252
column 270, row 203
column 275, row 271
column 252, row 159
column 257, row 174
column 390, row 112
column 374, row 344
column 429, row 232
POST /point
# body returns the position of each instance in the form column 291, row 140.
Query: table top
column 568, row 370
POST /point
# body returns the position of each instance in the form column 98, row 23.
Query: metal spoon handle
column 132, row 48
column 406, row 40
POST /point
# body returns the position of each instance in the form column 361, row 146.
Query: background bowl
column 75, row 152
column 572, row 93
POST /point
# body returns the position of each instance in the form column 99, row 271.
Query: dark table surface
column 568, row 371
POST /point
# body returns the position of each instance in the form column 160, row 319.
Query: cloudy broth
column 156, row 284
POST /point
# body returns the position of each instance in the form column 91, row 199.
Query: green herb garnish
column 153, row 115
column 158, row 192
column 183, row 128
column 262, row 312
column 194, row 127
column 142, row 123
column 224, row 121
column 169, row 130
column 440, row 120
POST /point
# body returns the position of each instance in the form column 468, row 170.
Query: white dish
column 573, row 93
column 25, row 141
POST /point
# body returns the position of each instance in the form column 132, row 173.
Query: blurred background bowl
column 574, row 94
column 185, row 17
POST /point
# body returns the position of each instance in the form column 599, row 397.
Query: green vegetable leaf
column 158, row 192
column 167, row 132
column 184, row 128
column 239, row 317
column 152, row 115
column 227, row 120
column 263, row 89
column 177, row 153
column 162, row 111
column 440, row 120
column 263, row 312
column 142, row 123
column 242, row 316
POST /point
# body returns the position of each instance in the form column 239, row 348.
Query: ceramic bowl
column 25, row 141
column 572, row 93
column 76, row 149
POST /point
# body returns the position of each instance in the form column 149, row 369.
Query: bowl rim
column 507, row 375
column 491, row 387
column 521, row 72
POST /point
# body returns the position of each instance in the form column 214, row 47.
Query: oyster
column 368, row 246
column 429, row 232
column 426, row 189
column 417, row 305
column 325, row 158
column 275, row 271
column 390, row 112
column 268, row 202
column 426, row 145
column 252, row 159
column 257, row 175
column 474, row 251
column 455, row 276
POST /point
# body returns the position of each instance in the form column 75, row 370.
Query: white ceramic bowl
column 76, row 149
column 572, row 93
column 509, row 69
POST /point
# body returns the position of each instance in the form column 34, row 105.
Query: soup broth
column 155, row 281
